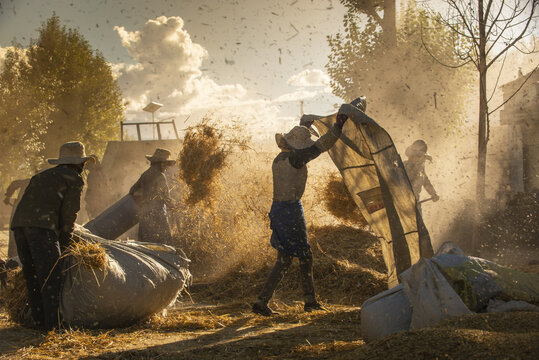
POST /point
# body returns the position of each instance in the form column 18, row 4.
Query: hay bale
column 339, row 203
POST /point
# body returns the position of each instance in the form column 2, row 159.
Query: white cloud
column 167, row 69
column 296, row 96
column 309, row 78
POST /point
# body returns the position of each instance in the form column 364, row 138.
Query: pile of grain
column 339, row 203
column 348, row 269
column 479, row 336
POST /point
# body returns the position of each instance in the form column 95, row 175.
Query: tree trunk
column 482, row 131
column 389, row 22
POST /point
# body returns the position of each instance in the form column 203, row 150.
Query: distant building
column 521, row 115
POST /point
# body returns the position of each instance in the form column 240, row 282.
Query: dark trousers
column 154, row 227
column 39, row 253
column 279, row 270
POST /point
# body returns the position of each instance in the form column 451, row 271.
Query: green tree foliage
column 404, row 85
column 57, row 90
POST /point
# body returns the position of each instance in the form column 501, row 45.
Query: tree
column 23, row 120
column 406, row 87
column 372, row 8
column 57, row 90
column 492, row 28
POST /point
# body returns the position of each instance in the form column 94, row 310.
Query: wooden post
column 138, row 132
column 175, row 130
column 158, row 131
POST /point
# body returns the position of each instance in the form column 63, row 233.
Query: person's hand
column 435, row 197
column 341, row 119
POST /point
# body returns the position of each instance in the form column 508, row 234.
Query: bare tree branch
column 464, row 21
column 487, row 11
column 497, row 78
column 375, row 16
column 516, row 91
column 513, row 42
column 495, row 21
column 435, row 58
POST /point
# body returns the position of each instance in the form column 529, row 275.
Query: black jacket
column 51, row 201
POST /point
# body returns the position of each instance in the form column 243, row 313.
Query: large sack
column 478, row 280
column 116, row 220
column 386, row 313
column 140, row 279
column 450, row 284
column 431, row 296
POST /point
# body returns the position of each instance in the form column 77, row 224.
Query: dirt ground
column 205, row 326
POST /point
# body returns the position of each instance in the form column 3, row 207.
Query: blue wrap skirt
column 289, row 229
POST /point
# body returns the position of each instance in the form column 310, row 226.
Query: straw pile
column 348, row 269
column 479, row 336
column 14, row 296
column 339, row 203
column 88, row 254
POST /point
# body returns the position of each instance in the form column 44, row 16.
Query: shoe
column 263, row 309
column 313, row 306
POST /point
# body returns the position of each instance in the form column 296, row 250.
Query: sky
column 255, row 60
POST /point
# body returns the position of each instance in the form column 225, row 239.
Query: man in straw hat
column 151, row 194
column 42, row 224
column 287, row 220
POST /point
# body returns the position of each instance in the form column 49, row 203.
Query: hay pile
column 14, row 296
column 88, row 254
column 348, row 269
column 339, row 203
column 479, row 336
column 202, row 157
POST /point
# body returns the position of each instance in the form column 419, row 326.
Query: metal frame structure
column 155, row 124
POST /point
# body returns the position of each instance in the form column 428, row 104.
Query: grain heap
column 339, row 203
column 348, row 270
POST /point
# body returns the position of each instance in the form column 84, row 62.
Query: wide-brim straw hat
column 71, row 153
column 297, row 138
column 161, row 156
